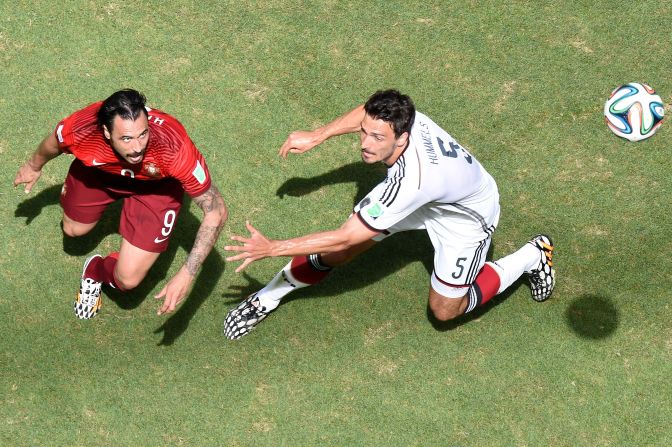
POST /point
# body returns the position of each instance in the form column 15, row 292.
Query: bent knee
column 74, row 229
column 445, row 309
column 127, row 282
column 442, row 314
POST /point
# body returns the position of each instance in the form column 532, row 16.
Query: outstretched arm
column 215, row 216
column 258, row 246
column 30, row 172
column 302, row 141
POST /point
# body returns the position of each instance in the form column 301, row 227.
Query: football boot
column 243, row 318
column 88, row 301
column 542, row 277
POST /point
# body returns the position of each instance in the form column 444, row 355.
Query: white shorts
column 460, row 246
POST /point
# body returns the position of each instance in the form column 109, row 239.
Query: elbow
column 220, row 214
column 350, row 235
column 216, row 218
column 223, row 215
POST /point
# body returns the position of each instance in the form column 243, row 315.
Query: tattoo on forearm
column 205, row 239
column 210, row 201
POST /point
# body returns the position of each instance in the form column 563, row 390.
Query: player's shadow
column 363, row 175
column 185, row 231
column 593, row 317
column 347, row 277
column 33, row 206
column 381, row 261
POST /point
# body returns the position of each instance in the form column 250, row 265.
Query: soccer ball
column 634, row 111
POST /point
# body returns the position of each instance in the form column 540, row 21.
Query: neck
column 396, row 154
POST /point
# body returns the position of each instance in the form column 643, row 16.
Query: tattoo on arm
column 210, row 202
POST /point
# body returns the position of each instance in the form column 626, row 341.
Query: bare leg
column 73, row 228
column 133, row 265
column 445, row 308
column 343, row 257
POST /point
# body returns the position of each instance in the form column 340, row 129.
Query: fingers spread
column 234, row 247
column 238, row 257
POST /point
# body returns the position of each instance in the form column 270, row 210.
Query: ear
column 106, row 132
column 403, row 139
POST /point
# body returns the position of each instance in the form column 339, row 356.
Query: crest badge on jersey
column 152, row 170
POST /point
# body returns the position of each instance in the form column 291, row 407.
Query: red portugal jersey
column 169, row 153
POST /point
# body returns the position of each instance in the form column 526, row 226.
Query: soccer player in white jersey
column 432, row 184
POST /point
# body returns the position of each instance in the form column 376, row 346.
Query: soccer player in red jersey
column 125, row 150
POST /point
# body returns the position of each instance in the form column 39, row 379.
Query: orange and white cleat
column 542, row 278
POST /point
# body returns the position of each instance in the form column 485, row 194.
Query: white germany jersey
column 439, row 182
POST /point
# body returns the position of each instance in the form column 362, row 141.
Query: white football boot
column 88, row 301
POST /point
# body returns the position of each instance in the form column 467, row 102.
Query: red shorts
column 149, row 211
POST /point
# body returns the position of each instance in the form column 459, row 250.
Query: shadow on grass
column 592, row 317
column 185, row 232
column 32, row 206
column 363, row 175
column 383, row 260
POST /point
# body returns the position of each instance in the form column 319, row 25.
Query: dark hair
column 127, row 103
column 392, row 107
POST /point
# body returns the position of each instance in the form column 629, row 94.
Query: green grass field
column 355, row 361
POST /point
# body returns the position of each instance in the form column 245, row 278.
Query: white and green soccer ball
column 634, row 111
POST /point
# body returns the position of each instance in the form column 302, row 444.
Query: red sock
column 308, row 269
column 484, row 288
column 102, row 269
column 487, row 281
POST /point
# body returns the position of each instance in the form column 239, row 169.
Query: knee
column 443, row 314
column 70, row 230
column 74, row 229
column 445, row 309
column 127, row 281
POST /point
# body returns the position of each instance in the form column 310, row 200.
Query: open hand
column 256, row 247
column 174, row 292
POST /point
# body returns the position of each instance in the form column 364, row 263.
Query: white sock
column 511, row 267
column 283, row 283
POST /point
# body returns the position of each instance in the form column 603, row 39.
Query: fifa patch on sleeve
column 199, row 173
column 375, row 211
